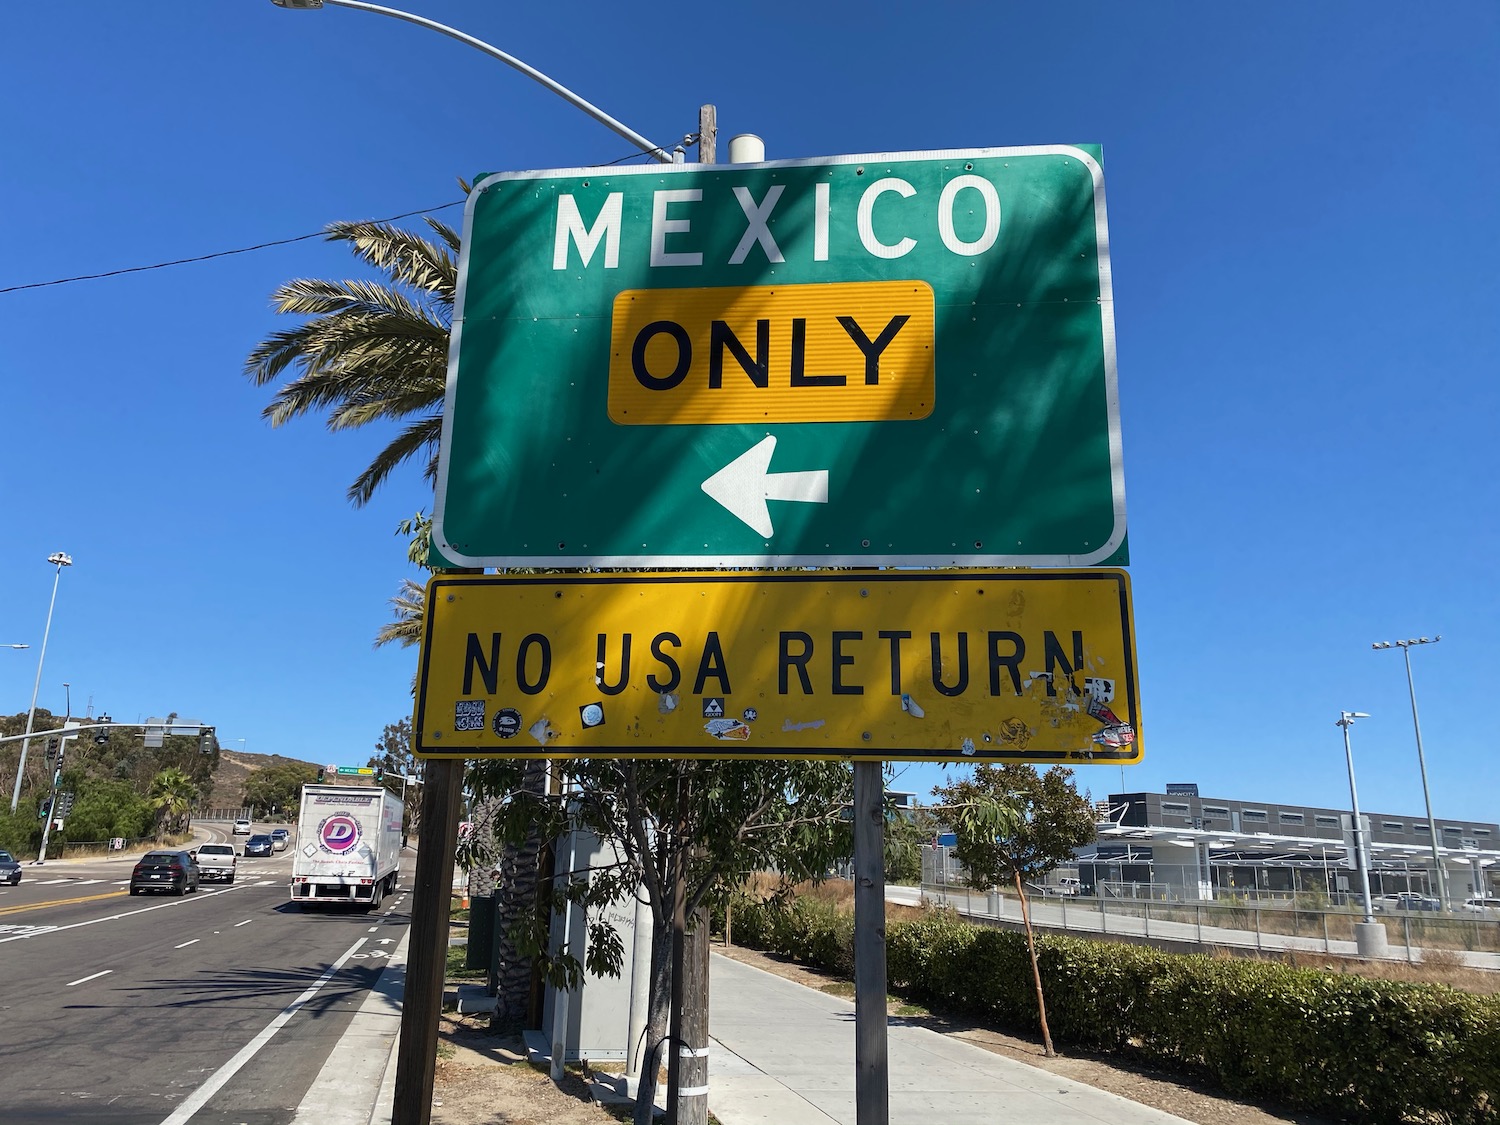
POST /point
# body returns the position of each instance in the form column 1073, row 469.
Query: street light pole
column 1432, row 832
column 1346, row 720
column 1369, row 935
column 649, row 147
column 59, row 560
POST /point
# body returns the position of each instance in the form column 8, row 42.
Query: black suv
column 165, row 871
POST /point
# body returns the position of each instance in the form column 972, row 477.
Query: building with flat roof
column 1180, row 846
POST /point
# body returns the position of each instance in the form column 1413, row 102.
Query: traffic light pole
column 200, row 732
column 204, row 734
column 41, row 853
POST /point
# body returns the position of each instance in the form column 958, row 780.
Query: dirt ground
column 484, row 1079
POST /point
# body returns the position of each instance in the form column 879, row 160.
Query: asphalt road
column 217, row 1007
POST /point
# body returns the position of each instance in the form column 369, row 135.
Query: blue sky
column 1303, row 238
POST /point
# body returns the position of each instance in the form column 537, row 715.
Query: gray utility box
column 605, row 1017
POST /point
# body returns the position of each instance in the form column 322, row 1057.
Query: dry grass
column 1438, row 966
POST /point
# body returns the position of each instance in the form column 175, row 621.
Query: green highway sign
column 897, row 359
column 359, row 771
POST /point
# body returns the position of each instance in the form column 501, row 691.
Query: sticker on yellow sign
column 1022, row 666
column 850, row 352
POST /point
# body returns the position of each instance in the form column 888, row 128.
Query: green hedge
column 1351, row 1047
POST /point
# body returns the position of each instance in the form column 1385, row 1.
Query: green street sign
column 360, row 771
column 899, row 359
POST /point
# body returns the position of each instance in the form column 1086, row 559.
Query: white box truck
column 348, row 845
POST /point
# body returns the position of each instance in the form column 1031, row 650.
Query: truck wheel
column 230, row 880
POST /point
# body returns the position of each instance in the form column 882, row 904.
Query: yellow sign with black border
column 1015, row 665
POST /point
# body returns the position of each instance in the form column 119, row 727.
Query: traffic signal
column 379, row 775
column 43, row 809
column 207, row 743
column 53, row 746
column 322, row 774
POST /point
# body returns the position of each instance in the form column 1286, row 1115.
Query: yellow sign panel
column 851, row 352
column 1019, row 665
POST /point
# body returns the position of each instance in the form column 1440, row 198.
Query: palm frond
column 410, row 607
column 369, row 350
column 408, row 259
column 421, row 436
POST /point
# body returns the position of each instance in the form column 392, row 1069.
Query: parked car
column 1406, row 900
column 242, row 828
column 1474, row 904
column 259, row 845
column 10, row 870
column 165, row 871
column 280, row 838
column 216, row 862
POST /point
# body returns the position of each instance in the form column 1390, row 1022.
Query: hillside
column 235, row 768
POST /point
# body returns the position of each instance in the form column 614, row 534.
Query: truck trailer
column 348, row 845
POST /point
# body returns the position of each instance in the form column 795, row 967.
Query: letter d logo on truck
column 339, row 833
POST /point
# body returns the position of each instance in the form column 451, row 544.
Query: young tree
column 713, row 821
column 1053, row 821
column 906, row 830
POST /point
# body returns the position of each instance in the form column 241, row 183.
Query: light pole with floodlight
column 1411, row 687
column 59, row 560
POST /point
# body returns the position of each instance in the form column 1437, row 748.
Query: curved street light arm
column 649, row 147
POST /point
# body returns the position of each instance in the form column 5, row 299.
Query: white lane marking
column 199, row 1097
column 246, row 922
column 51, row 882
column 86, row 882
column 117, row 917
column 95, row 976
column 372, row 929
column 185, row 944
column 121, row 883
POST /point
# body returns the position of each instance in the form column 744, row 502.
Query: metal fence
column 1302, row 922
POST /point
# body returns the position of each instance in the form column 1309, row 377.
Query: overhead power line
column 689, row 139
column 210, row 257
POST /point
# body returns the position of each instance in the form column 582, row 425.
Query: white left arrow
column 745, row 484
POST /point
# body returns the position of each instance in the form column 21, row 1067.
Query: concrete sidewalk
column 783, row 1054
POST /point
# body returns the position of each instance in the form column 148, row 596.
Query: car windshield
column 260, row 839
column 275, row 832
column 5, row 857
column 160, row 857
column 215, row 849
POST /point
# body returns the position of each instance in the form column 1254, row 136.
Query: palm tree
column 172, row 794
column 378, row 351
column 371, row 351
